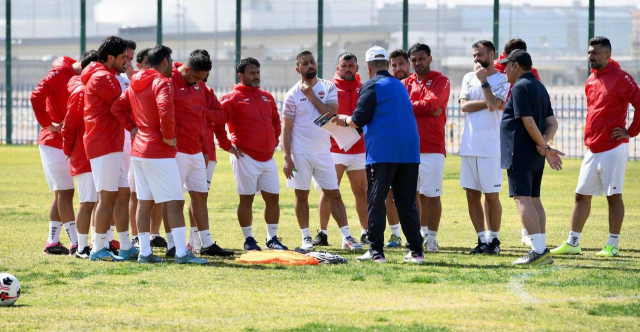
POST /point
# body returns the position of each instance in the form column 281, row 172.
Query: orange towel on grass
column 283, row 257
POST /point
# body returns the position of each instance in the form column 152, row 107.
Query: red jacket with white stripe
column 427, row 97
column 188, row 103
column 348, row 93
column 609, row 92
column 73, row 129
column 150, row 100
column 253, row 121
column 49, row 100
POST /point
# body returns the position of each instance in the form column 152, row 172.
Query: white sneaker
column 413, row 257
column 431, row 246
column 526, row 240
column 307, row 244
column 351, row 243
column 369, row 256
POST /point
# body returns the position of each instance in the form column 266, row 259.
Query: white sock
column 205, row 238
column 194, row 239
column 492, row 235
column 345, row 231
column 423, row 230
column 305, row 233
column 363, row 231
column 145, row 244
column 170, row 243
column 395, row 230
column 125, row 242
column 524, row 232
column 431, row 236
column 537, row 243
column 483, row 236
column 153, row 236
column 98, row 241
column 613, row 240
column 574, row 238
column 544, row 238
column 54, row 232
column 247, row 231
column 111, row 231
column 180, row 238
column 83, row 241
column 326, row 232
column 72, row 233
column 272, row 230
column 93, row 234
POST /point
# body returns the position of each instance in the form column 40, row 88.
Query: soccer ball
column 9, row 289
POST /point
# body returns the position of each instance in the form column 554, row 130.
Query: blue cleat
column 130, row 254
column 189, row 258
column 251, row 244
column 105, row 255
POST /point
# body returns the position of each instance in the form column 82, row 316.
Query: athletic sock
column 272, row 230
column 83, row 241
column 247, row 231
column 145, row 244
column 125, row 242
column 544, row 239
column 613, row 240
column 483, row 237
column 153, row 236
column 395, row 230
column 524, row 232
column 326, row 232
column 193, row 236
column 346, row 232
column 54, row 232
column 423, row 230
column 110, row 232
column 363, row 231
column 205, row 238
column 98, row 241
column 537, row 243
column 170, row 243
column 493, row 235
column 305, row 233
column 72, row 233
column 180, row 238
column 574, row 238
column 431, row 236
column 93, row 234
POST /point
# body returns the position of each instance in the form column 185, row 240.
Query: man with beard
column 307, row 148
column 429, row 93
column 609, row 92
column 399, row 61
column 348, row 83
column 482, row 97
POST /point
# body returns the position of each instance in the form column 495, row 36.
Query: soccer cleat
column 73, row 250
column 171, row 252
column 431, row 246
column 321, row 239
column 567, row 249
column 135, row 242
column 113, row 247
column 493, row 248
column 193, row 250
column 159, row 242
column 608, row 251
column 351, row 243
column 533, row 258
column 150, row 259
column 480, row 248
column 215, row 250
column 105, row 255
column 130, row 254
column 394, row 242
column 250, row 244
column 526, row 240
column 55, row 249
column 84, row 253
column 189, row 258
column 307, row 244
column 274, row 243
column 364, row 239
column 372, row 255
column 414, row 257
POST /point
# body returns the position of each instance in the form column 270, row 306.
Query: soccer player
column 348, row 84
column 150, row 98
column 482, row 97
column 72, row 131
column 103, row 142
column 429, row 93
column 307, row 147
column 609, row 92
column 49, row 102
column 254, row 125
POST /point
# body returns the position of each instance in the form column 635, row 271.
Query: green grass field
column 452, row 291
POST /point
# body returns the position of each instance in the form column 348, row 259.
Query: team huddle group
column 136, row 141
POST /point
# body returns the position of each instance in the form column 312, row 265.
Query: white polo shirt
column 306, row 136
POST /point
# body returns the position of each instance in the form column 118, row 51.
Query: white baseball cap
column 376, row 53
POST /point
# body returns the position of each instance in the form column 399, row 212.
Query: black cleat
column 215, row 250
column 73, row 250
column 493, row 248
column 364, row 240
column 480, row 248
column 84, row 253
column 250, row 244
column 321, row 239
column 159, row 242
column 171, row 252
column 275, row 244
column 55, row 249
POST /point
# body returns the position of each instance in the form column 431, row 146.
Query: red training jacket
column 348, row 93
column 609, row 92
column 427, row 97
column 188, row 103
column 73, row 129
column 212, row 107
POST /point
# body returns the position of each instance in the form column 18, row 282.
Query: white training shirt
column 306, row 136
column 481, row 137
column 124, row 84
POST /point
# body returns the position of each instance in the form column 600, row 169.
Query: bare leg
column 302, row 208
column 338, row 210
column 133, row 207
column 156, row 218
column 199, row 209
column 245, row 213
column 495, row 211
column 271, row 207
column 358, row 180
column 65, row 205
column 581, row 211
column 121, row 210
column 324, row 207
column 433, row 207
column 476, row 213
column 616, row 213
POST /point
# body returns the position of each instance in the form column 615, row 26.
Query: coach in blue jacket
column 392, row 145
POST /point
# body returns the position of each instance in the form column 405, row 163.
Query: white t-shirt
column 481, row 137
column 306, row 136
column 124, row 84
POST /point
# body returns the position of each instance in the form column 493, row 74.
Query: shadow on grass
column 317, row 327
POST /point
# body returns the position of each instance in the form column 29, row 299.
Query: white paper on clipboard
column 345, row 137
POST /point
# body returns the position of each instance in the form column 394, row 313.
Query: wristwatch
column 345, row 121
column 486, row 85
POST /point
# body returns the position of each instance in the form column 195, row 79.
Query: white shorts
column 431, row 174
column 253, row 176
column 193, row 172
column 157, row 179
column 603, row 172
column 108, row 172
column 211, row 167
column 319, row 166
column 86, row 188
column 56, row 168
column 353, row 162
column 132, row 180
column 481, row 174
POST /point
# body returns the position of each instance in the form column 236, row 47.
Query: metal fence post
column 496, row 25
column 83, row 26
column 9, row 101
column 592, row 26
column 320, row 35
column 405, row 24
column 159, row 24
column 238, row 34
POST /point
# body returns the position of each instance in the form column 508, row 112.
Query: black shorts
column 524, row 183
